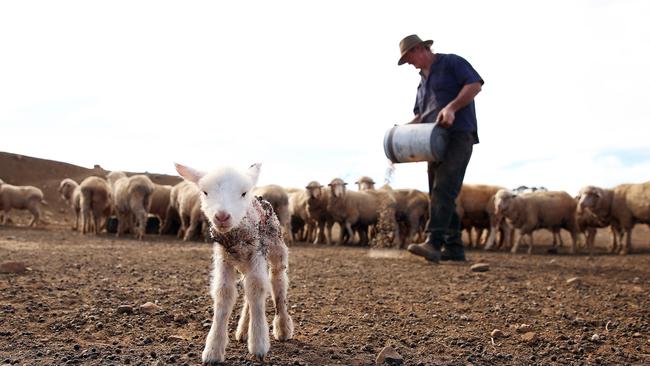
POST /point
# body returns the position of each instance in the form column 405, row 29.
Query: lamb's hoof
column 259, row 350
column 258, row 357
column 241, row 336
column 212, row 356
column 282, row 328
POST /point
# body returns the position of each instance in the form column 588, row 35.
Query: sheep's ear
column 188, row 173
column 254, row 172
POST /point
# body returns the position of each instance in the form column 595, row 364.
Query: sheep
column 411, row 210
column 630, row 205
column 186, row 203
column 365, row 183
column 247, row 238
column 350, row 208
column 412, row 213
column 475, row 209
column 21, row 198
column 160, row 203
column 279, row 199
column 386, row 229
column 301, row 226
column 532, row 211
column 71, row 194
column 594, row 210
column 132, row 200
column 95, row 204
column 318, row 214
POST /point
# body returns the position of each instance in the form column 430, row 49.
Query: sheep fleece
column 252, row 234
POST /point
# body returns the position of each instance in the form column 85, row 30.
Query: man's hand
column 416, row 119
column 446, row 117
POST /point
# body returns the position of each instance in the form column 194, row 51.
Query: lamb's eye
column 243, row 195
column 205, row 193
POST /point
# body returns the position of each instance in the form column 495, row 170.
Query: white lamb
column 248, row 239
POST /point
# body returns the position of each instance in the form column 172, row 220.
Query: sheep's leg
column 282, row 322
column 491, row 238
column 320, row 234
column 184, row 224
column 140, row 215
column 36, row 214
column 84, row 219
column 121, row 223
column 166, row 225
column 191, row 228
column 97, row 221
column 223, row 293
column 590, row 238
column 349, row 231
column 574, row 241
column 530, row 243
column 626, row 248
column 76, row 221
column 613, row 239
column 518, row 242
column 242, row 326
column 255, row 287
column 328, row 233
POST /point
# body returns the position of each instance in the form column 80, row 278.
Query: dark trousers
column 445, row 182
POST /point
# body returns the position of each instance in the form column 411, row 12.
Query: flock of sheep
column 370, row 216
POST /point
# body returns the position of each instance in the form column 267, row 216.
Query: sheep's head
column 226, row 193
column 588, row 198
column 66, row 188
column 503, row 201
column 337, row 185
column 365, row 183
column 314, row 190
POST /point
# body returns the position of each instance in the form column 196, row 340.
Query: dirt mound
column 47, row 174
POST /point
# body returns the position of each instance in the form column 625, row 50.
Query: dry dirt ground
column 79, row 302
column 347, row 304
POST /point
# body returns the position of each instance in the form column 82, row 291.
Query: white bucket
column 415, row 142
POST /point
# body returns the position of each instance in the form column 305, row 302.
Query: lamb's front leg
column 282, row 323
column 255, row 289
column 224, row 293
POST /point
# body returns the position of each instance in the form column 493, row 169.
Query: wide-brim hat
column 408, row 43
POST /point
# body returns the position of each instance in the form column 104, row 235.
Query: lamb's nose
column 222, row 216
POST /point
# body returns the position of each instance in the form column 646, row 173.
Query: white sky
column 310, row 88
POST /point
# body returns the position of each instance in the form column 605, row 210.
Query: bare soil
column 79, row 301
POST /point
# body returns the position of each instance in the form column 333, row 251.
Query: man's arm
column 447, row 115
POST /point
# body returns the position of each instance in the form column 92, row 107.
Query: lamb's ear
column 254, row 172
column 188, row 173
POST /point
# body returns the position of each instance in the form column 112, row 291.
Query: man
column 445, row 95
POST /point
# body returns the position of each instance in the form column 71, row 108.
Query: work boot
column 452, row 253
column 426, row 250
column 453, row 247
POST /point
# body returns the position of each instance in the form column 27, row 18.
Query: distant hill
column 47, row 174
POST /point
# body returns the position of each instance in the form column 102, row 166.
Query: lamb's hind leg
column 224, row 293
column 255, row 289
column 282, row 323
column 242, row 326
